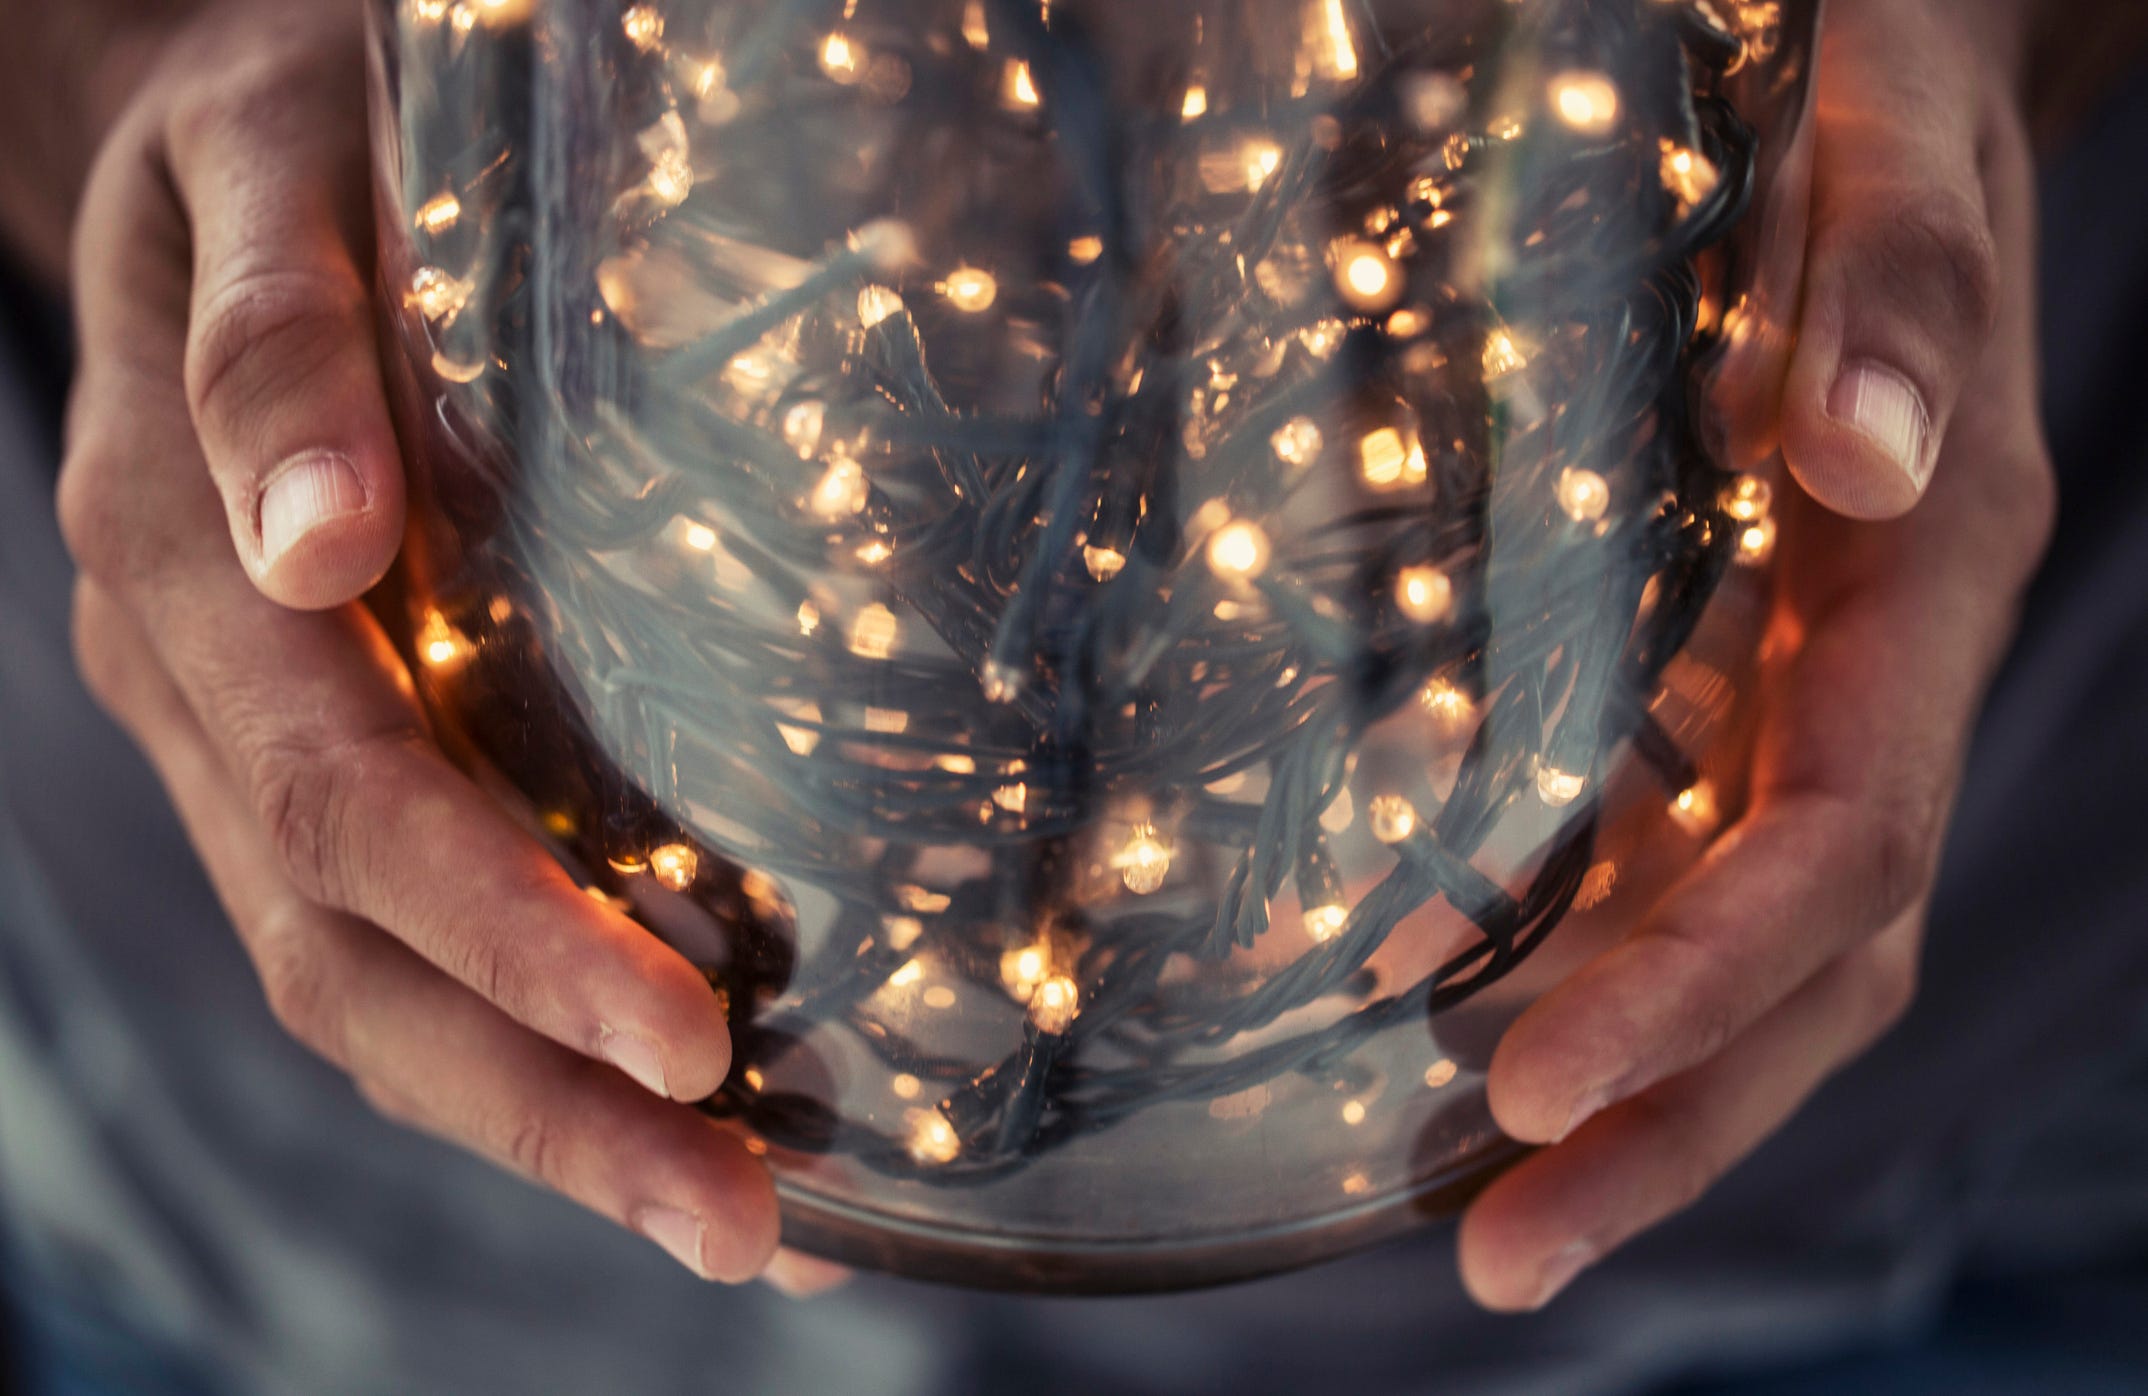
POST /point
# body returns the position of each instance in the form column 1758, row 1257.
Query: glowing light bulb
column 1144, row 862
column 441, row 645
column 908, row 973
column 438, row 296
column 700, row 537
column 1353, row 1112
column 905, row 1086
column 900, row 932
column 1021, row 970
column 1756, row 543
column 1689, row 175
column 673, row 865
column 1587, row 102
column 1583, row 494
column 1440, row 1073
column 439, row 213
column 843, row 490
column 1502, row 356
column 1387, row 458
column 1012, row 797
column 1017, row 88
column 873, row 552
column 1103, row 563
column 1366, row 276
column 1324, row 923
column 429, row 11
column 1297, row 442
column 1238, row 550
column 644, row 25
column 1446, row 702
column 1323, row 337
column 1053, row 1005
column 974, row 30
column 1391, row 818
column 1695, row 809
column 1196, row 102
column 969, row 289
column 1559, row 788
column 840, row 58
column 808, row 617
column 931, row 1137
column 1000, row 682
column 1259, row 158
column 1747, row 499
column 1085, row 249
column 872, row 635
column 1423, row 594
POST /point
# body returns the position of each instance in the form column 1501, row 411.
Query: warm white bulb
column 1584, row 495
column 673, row 865
column 1391, row 818
column 1324, row 923
column 970, row 289
column 1238, row 549
column 1559, row 788
column 1144, row 862
column 1297, row 442
column 1053, row 1006
column 1585, row 101
column 1423, row 594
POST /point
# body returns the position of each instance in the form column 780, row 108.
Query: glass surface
column 1132, row 580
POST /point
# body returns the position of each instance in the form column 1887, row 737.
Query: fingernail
column 1585, row 1109
column 677, row 1232
column 1886, row 407
column 303, row 494
column 1559, row 1271
column 636, row 1056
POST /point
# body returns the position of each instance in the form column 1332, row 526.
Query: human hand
column 229, row 393
column 1793, row 945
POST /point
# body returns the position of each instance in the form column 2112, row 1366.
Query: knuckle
column 295, row 981
column 535, row 1147
column 288, row 317
column 1686, row 1164
column 92, row 509
column 311, row 798
column 1891, row 981
column 1901, row 852
column 1943, row 241
column 1713, row 998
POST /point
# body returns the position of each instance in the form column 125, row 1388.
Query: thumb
column 1901, row 282
column 282, row 367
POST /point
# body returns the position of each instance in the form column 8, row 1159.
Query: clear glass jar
column 1133, row 580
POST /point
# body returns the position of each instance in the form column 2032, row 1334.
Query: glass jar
column 1131, row 580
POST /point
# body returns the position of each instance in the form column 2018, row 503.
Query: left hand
column 1912, row 398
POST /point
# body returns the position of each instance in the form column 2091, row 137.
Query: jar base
column 867, row 1239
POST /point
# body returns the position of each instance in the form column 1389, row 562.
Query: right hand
column 403, row 927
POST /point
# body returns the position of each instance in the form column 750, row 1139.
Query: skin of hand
column 232, row 484
column 1911, row 422
column 402, row 926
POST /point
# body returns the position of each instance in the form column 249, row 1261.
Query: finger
column 1901, row 278
column 1562, row 1209
column 1868, row 717
column 282, row 367
column 796, row 1275
column 315, row 717
column 424, row 1049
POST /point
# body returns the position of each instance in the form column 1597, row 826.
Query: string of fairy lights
column 983, row 503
